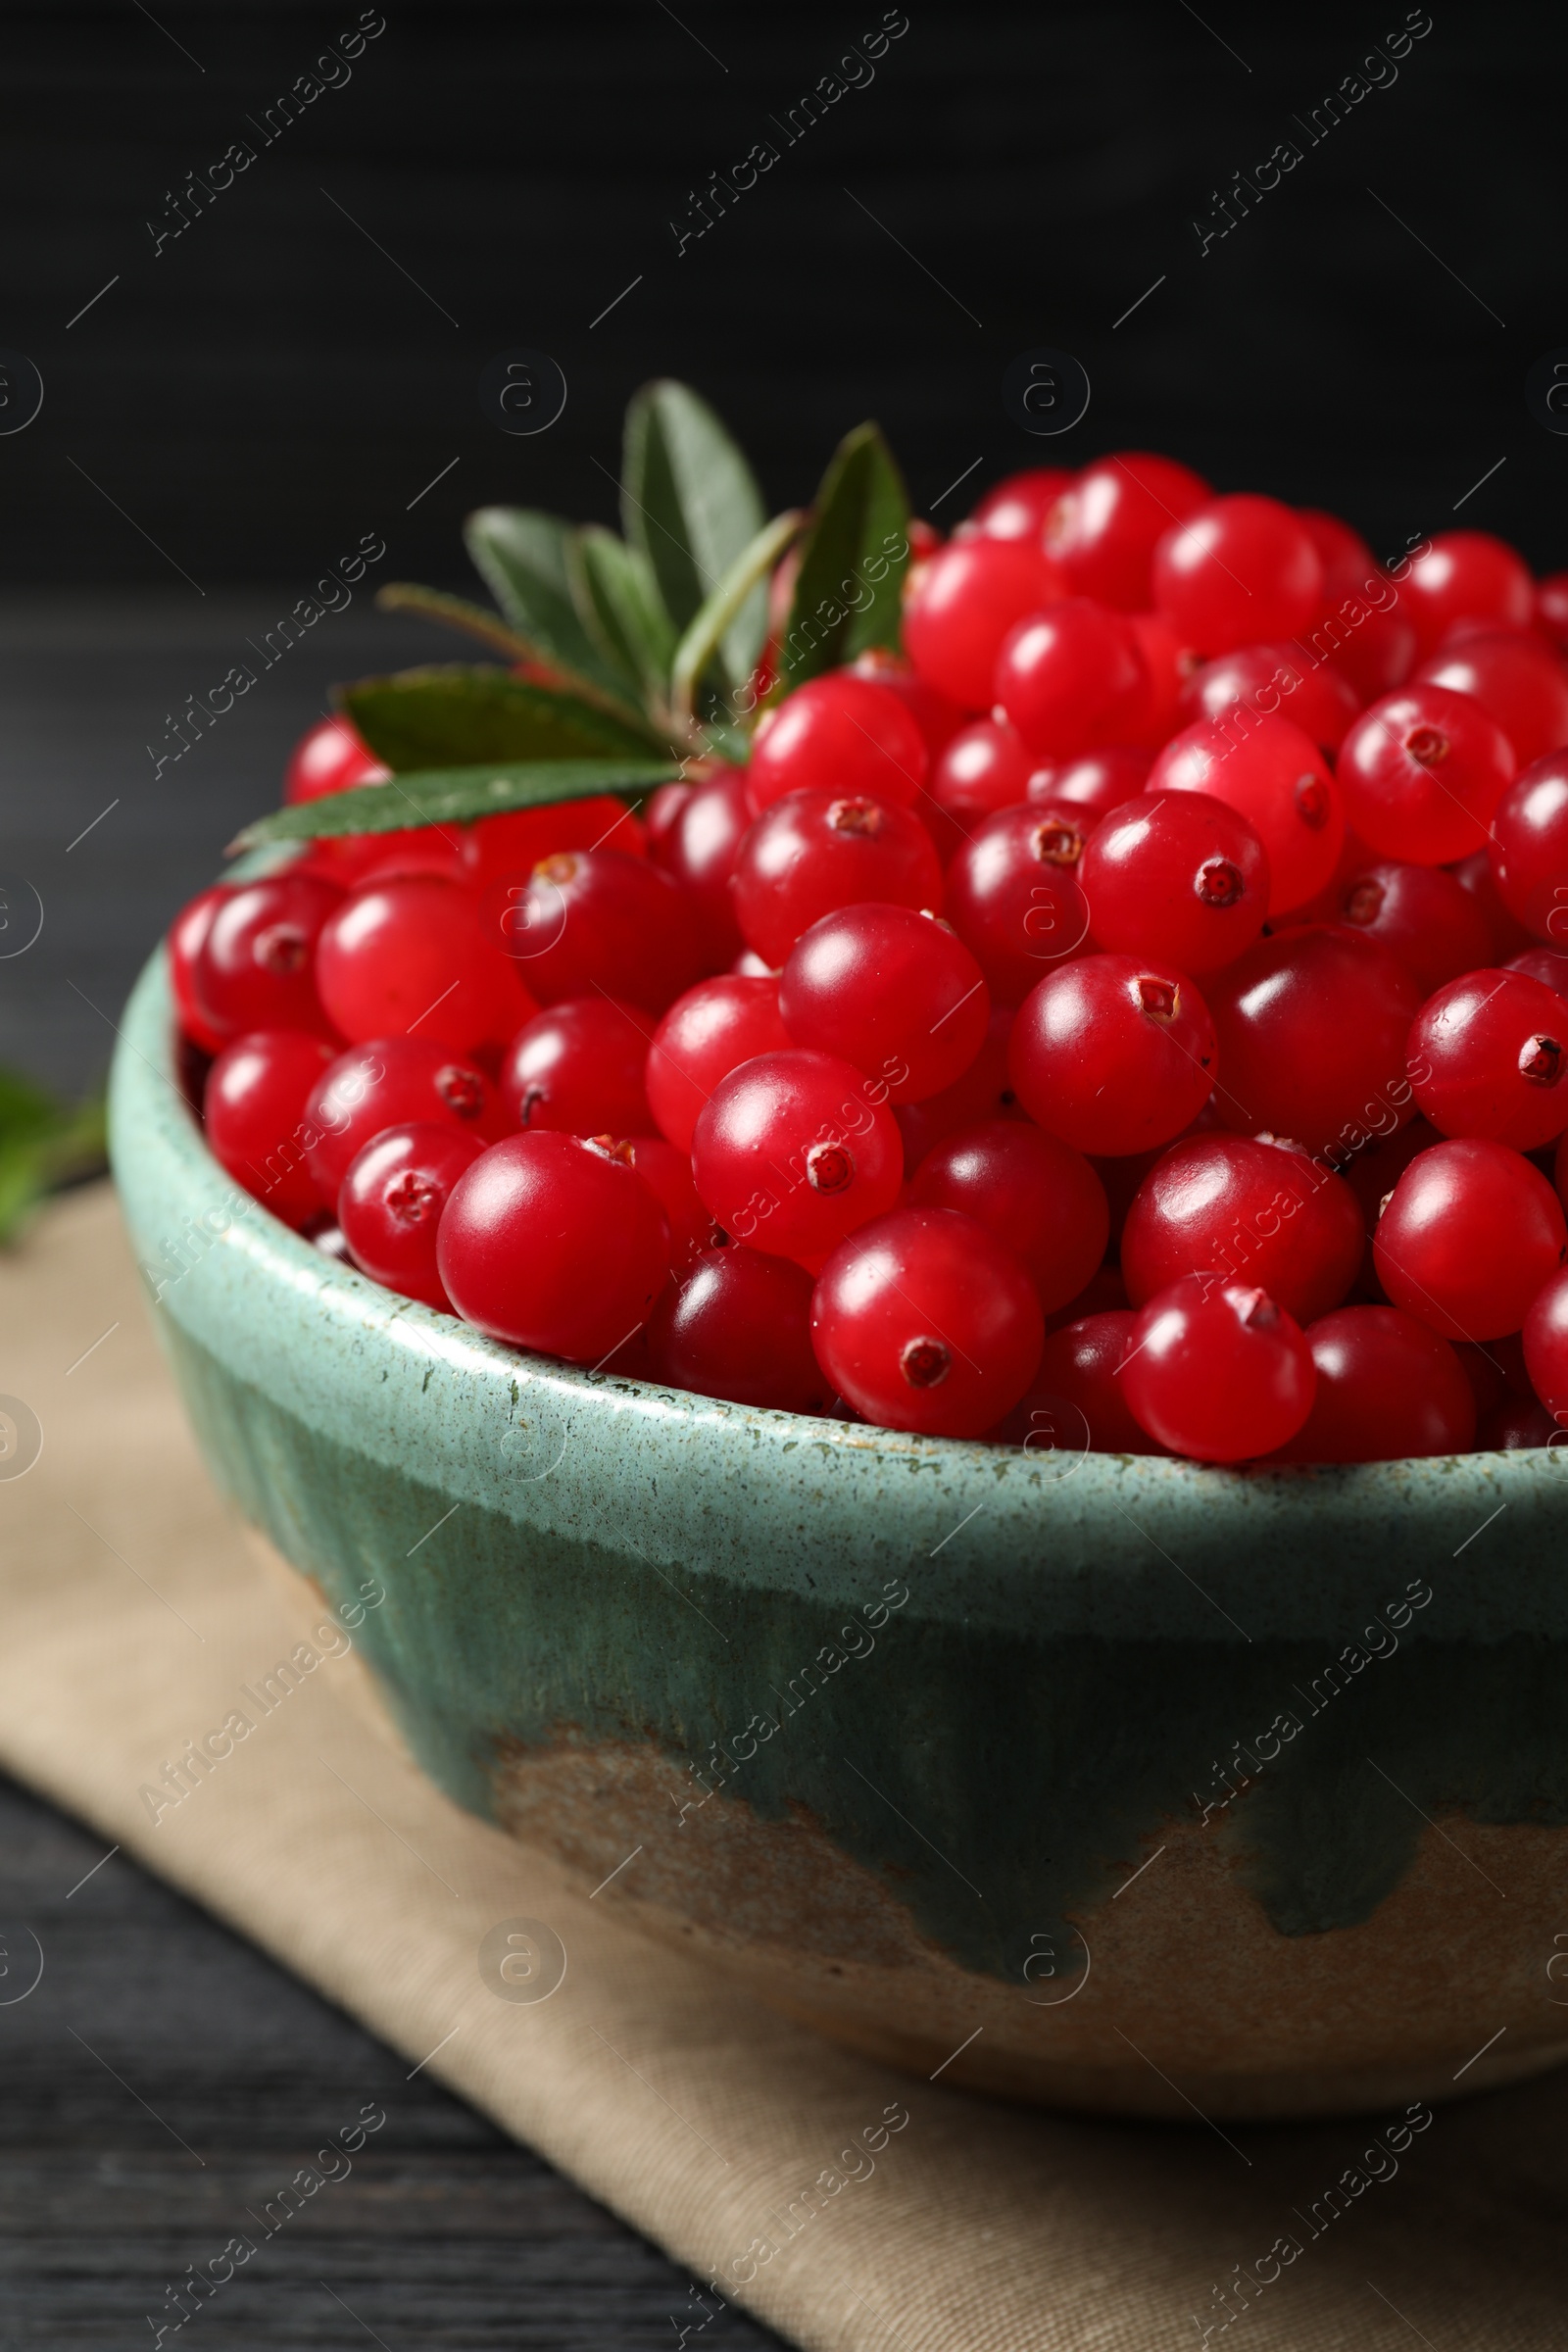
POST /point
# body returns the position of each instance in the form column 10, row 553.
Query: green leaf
column 619, row 603
column 456, row 796
column 42, row 1143
column 689, row 502
column 450, row 715
column 524, row 558
column 718, row 611
column 455, row 613
column 849, row 589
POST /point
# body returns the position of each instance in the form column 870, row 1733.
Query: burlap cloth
column 134, row 1611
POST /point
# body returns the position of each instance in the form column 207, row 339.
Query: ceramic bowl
column 1111, row 1783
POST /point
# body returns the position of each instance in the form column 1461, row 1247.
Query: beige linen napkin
column 855, row 2209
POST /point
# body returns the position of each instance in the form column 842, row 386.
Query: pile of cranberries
column 1135, row 1018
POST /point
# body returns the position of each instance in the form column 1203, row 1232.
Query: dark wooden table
column 164, row 2076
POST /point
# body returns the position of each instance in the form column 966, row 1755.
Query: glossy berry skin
column 1551, row 609
column 1546, row 1345
column 1103, row 531
column 935, row 715
column 1168, row 663
column 552, row 1243
column 577, row 1068
column 329, row 758
column 1032, row 1191
column 1070, row 678
column 1488, row 1056
column 257, row 1127
column 1276, row 777
column 737, row 1324
column 1177, row 876
column 1521, row 684
column 1419, row 913
column 390, row 1202
column 1509, row 937
column 813, row 851
column 705, row 1033
column 1467, row 575
column 409, row 955
column 1388, row 1388
column 185, row 939
column 395, row 1082
column 1239, row 570
column 1016, row 507
column 1528, row 849
column 1468, row 1237
column 698, row 847
column 924, row 1320
column 1012, row 896
column 1312, row 1027
column 256, row 966
column 958, row 607
column 668, row 1174
column 506, row 849
column 1548, row 964
column 1113, row 1053
column 983, row 1093
column 794, row 1151
column 598, row 919
column 1422, row 773
column 1096, row 783
column 1218, row 1370
column 837, row 733
column 1075, row 1400
column 896, row 994
column 1265, row 680
column 986, row 767
column 1232, row 1207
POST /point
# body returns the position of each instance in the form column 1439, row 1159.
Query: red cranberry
column 1467, row 1238
column 1113, row 1053
column 1388, row 1388
column 926, row 1321
column 1474, row 876
column 1075, row 1399
column 1551, row 609
column 985, row 767
column 506, row 849
column 737, row 1324
column 598, row 919
column 390, row 1202
column 983, row 1091
column 1467, row 576
column 257, row 1127
column 1263, row 680
column 1275, row 776
column 1218, row 1370
column 896, row 994
column 1488, row 1056
column 959, row 606
column 699, row 847
column 256, row 966
column 1237, row 571
column 1180, row 877
column 1070, row 678
column 331, row 757
column 1168, row 662
column 935, row 715
column 1097, row 783
column 1238, row 1209
column 408, row 955
column 1032, row 1191
column 1420, row 913
column 668, row 1174
column 578, row 1069
column 815, row 851
column 1546, row 964
column 1103, row 531
column 556, row 1244
column 842, row 734
column 394, row 1082
column 1016, row 507
column 705, row 1033
column 1529, row 853
column 1546, row 1345
column 1013, row 895
column 187, row 936
column 1312, row 1027
column 1520, row 683
column 794, row 1150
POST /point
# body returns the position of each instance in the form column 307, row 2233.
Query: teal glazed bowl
column 1107, row 1782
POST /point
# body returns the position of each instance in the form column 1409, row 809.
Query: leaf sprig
column 628, row 657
